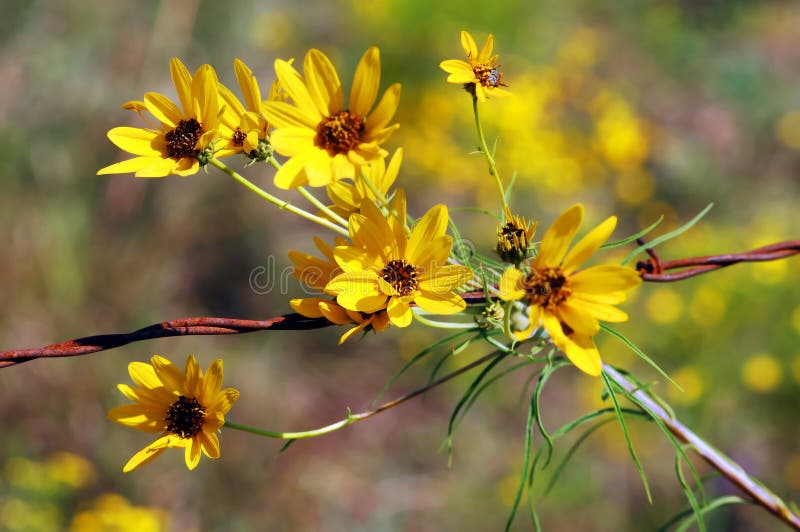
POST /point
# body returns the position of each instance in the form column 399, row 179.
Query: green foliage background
column 634, row 108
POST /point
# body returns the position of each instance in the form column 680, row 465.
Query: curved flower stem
column 321, row 206
column 485, row 150
column 443, row 324
column 354, row 418
column 727, row 467
column 381, row 197
column 281, row 204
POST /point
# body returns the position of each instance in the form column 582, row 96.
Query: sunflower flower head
column 182, row 140
column 348, row 197
column 316, row 273
column 186, row 408
column 564, row 299
column 481, row 75
column 243, row 126
column 385, row 268
column 325, row 139
column 514, row 238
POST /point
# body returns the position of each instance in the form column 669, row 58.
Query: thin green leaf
column 419, row 356
column 668, row 236
column 525, row 466
column 624, row 427
column 719, row 502
column 641, row 354
column 510, row 186
column 689, row 492
column 464, row 398
column 286, row 445
column 640, row 234
column 477, row 210
column 543, row 378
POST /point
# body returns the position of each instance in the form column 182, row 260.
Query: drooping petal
column 350, row 332
column 587, row 245
column 192, row 454
column 578, row 318
column 136, row 140
column 399, row 312
column 580, row 350
column 308, row 307
column 334, row 313
column 129, row 166
column 559, row 236
column 148, row 454
column 139, row 417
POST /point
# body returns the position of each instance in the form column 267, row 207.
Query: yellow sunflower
column 324, row 139
column 186, row 408
column 347, row 198
column 183, row 133
column 243, row 126
column 316, row 273
column 481, row 76
column 567, row 301
column 384, row 268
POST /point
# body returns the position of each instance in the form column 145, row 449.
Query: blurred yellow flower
column 173, row 145
column 481, row 76
column 569, row 302
column 324, row 140
column 317, row 273
column 384, row 268
column 112, row 512
column 186, row 408
column 664, row 306
column 762, row 373
column 692, row 383
column 347, row 198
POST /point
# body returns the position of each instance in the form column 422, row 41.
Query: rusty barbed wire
column 652, row 270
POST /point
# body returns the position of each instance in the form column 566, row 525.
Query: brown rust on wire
column 655, row 270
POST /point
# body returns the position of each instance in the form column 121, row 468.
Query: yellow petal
column 183, row 83
column 149, row 453
column 193, row 378
column 468, row 45
column 282, row 114
column 209, row 443
column 169, row 374
column 192, row 453
column 486, row 51
column 433, row 255
column 139, row 417
column 399, row 312
column 511, row 284
column 600, row 311
column 335, row 313
column 293, row 84
column 580, row 350
column 349, row 333
column 323, row 83
column 130, row 166
column 318, row 168
column 440, row 303
column 578, row 318
column 432, row 225
column 248, row 85
column 603, row 279
column 385, row 110
column 212, row 382
column 366, row 82
column 162, row 108
column 587, row 245
column 144, row 375
column 224, row 401
column 533, row 324
column 362, row 303
column 308, row 307
column 445, row 279
column 160, row 168
column 292, row 173
column 137, row 141
column 205, row 98
column 559, row 236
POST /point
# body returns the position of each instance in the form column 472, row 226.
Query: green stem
column 353, row 418
column 281, row 204
column 443, row 324
column 321, row 206
column 381, row 197
column 485, row 150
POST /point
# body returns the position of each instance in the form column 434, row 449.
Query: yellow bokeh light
column 788, row 129
column 692, row 383
column 792, row 471
column 796, row 368
column 762, row 373
column 664, row 306
column 707, row 306
column 796, row 319
column 634, row 188
column 768, row 273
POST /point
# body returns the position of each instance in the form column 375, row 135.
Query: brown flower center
column 547, row 287
column 238, row 137
column 487, row 75
column 185, row 417
column 182, row 140
column 401, row 275
column 340, row 133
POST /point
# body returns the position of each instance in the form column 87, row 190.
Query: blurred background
column 641, row 109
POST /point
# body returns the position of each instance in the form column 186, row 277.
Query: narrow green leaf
column 525, row 465
column 624, row 427
column 632, row 238
column 668, row 236
column 641, row 354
